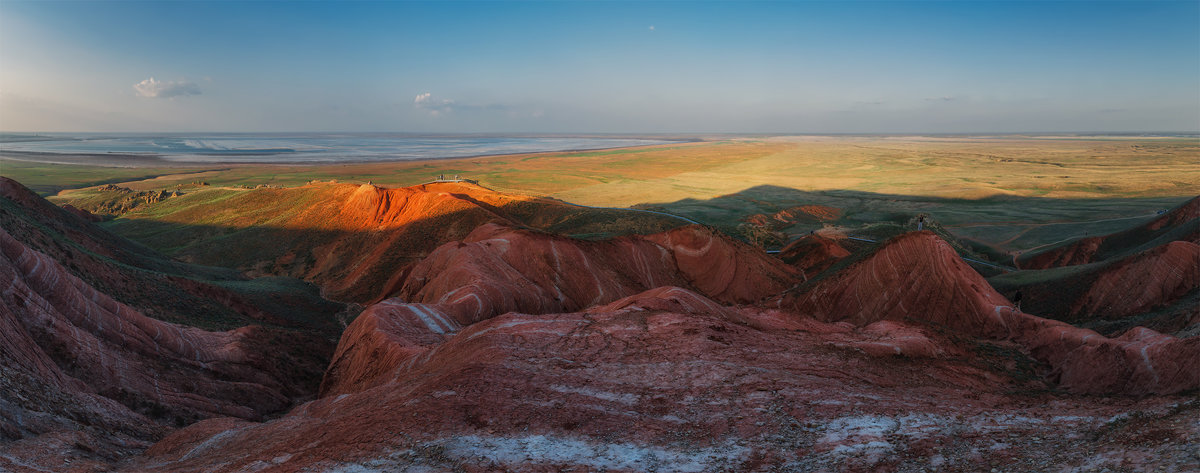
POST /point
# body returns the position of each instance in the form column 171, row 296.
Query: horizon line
column 634, row 133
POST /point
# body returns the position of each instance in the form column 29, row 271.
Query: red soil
column 915, row 276
column 1081, row 251
column 813, row 253
column 918, row 278
column 389, row 227
column 79, row 344
column 111, row 346
column 497, row 269
column 1142, row 282
column 1155, row 288
column 791, row 216
column 1093, row 249
column 666, row 380
column 64, row 222
column 87, row 379
column 353, row 241
column 510, row 349
column 723, row 269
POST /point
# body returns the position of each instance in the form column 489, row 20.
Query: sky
column 600, row 67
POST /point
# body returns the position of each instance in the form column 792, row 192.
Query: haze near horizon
column 611, row 67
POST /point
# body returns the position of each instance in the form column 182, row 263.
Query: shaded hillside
column 656, row 381
column 207, row 297
column 813, row 253
column 1180, row 223
column 919, row 279
column 1006, row 222
column 89, row 375
column 497, row 270
column 349, row 239
column 908, row 337
column 1144, row 275
column 1121, row 289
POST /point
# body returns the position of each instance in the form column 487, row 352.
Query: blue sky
column 803, row 67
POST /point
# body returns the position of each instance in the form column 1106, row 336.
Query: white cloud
column 651, row 27
column 426, row 102
column 165, row 89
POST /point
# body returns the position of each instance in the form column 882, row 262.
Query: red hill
column 349, row 239
column 664, row 379
column 87, row 374
column 1180, row 223
column 94, row 364
column 1120, row 291
column 604, row 388
column 917, row 277
column 497, row 347
column 498, row 269
column 813, row 253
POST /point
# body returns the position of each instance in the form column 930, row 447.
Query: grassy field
column 537, row 174
column 1013, row 193
column 49, row 179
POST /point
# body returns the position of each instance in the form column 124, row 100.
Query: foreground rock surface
column 669, row 380
column 845, row 375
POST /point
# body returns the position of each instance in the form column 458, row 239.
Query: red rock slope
column 1119, row 291
column 154, row 284
column 1143, row 281
column 1180, row 223
column 81, row 346
column 508, row 269
column 813, row 253
column 86, row 379
column 666, row 380
column 918, row 278
column 497, row 269
column 350, row 239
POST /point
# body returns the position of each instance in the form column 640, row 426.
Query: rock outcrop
column 793, row 215
column 87, row 379
column 813, row 253
column 497, row 269
column 918, row 278
column 86, row 362
column 1116, row 290
column 1180, row 223
column 352, row 240
column 665, row 380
